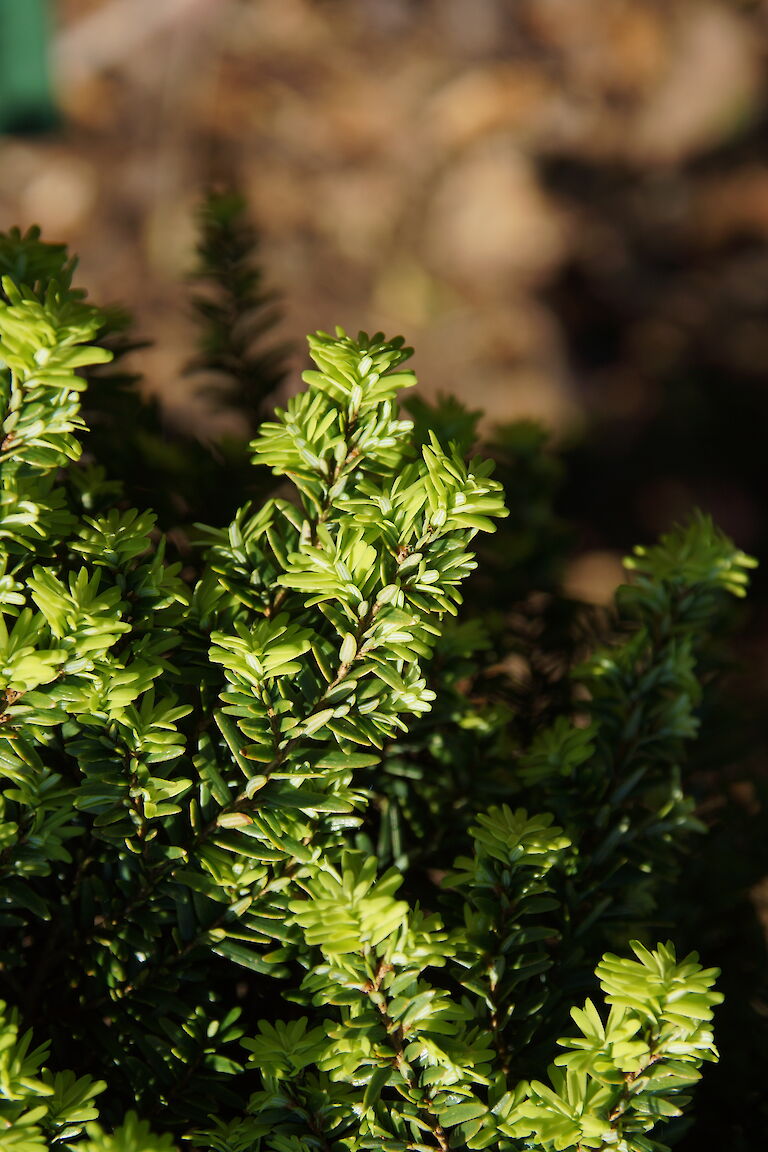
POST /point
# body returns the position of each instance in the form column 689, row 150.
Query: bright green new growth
column 190, row 770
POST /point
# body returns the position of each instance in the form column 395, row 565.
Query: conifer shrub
column 293, row 855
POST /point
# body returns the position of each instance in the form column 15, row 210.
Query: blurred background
column 563, row 204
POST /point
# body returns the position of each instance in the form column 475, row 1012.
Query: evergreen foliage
column 180, row 476
column 287, row 863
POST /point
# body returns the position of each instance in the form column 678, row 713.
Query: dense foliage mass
column 288, row 862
